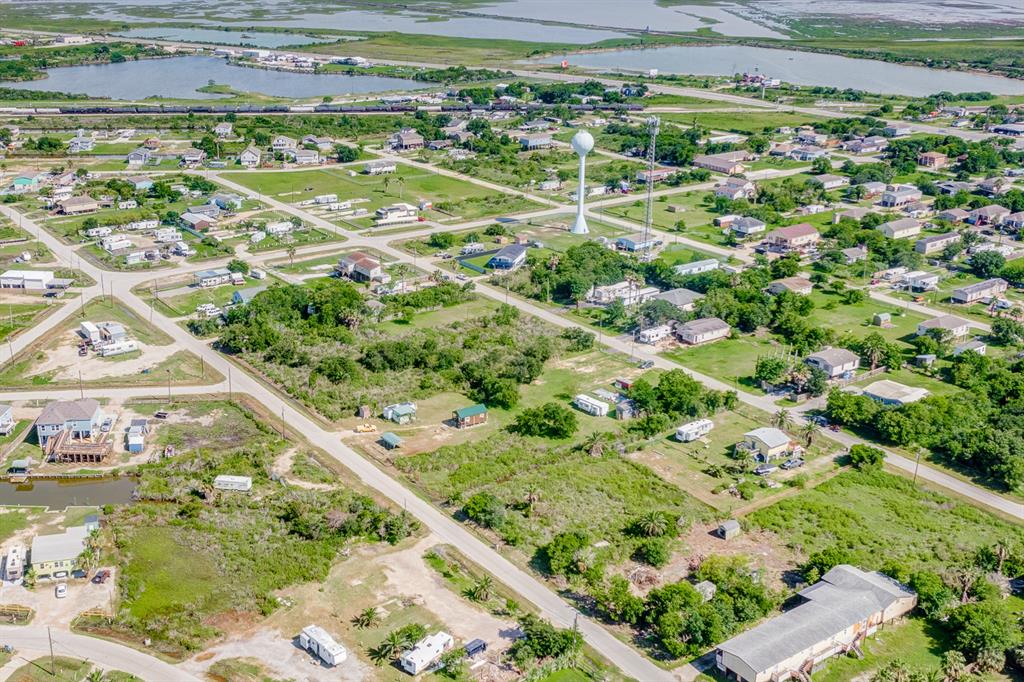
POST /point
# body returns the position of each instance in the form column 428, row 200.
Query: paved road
column 108, row 655
column 923, row 309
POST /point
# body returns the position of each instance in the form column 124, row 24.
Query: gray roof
column 63, row 411
column 704, row 324
column 679, row 297
column 769, row 435
column 843, row 597
column 939, row 238
column 944, row 322
column 63, row 546
column 988, row 284
column 511, row 252
column 834, row 357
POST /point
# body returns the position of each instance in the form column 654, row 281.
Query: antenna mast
column 653, row 123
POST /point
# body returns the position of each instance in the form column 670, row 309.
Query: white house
column 955, row 326
column 703, row 330
column 653, row 335
column 316, row 640
column 697, row 267
column 242, row 484
column 425, row 652
column 396, row 214
column 693, row 430
column 900, row 228
column 591, row 406
column 834, row 362
column 628, row 292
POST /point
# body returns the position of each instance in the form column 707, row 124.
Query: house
column 380, row 167
column 139, row 157
column 901, row 228
column 794, row 238
column 891, row 393
column 867, row 145
column 241, row 484
column 636, row 242
column 765, row 443
column 400, row 413
column 856, row 213
column 135, row 438
column 736, row 188
column 656, row 175
column 81, row 418
column 473, row 415
column 808, row 153
column 250, row 157
column 243, row 296
column 192, row 157
column 591, row 406
column 703, row 330
column 323, row 144
column 1014, row 221
column 531, row 141
column 78, row 205
column 974, row 346
column 425, row 652
column 1010, row 129
column 936, row 243
column 438, row 145
column 222, row 129
column 6, row 419
column 992, row 214
column 811, row 137
column 994, row 187
column 954, row 215
column 691, row 431
column 873, row 189
column 918, row 209
column 795, row 285
column 197, row 221
column 828, row 181
column 361, row 267
column 979, row 291
column 283, row 143
column 919, row 280
column 834, row 362
column 57, row 556
column 745, row 227
column 934, row 160
column 682, row 298
column 303, row 157
column 212, row 278
column 510, row 257
column 396, row 214
column 697, row 267
column 628, row 292
column 653, row 335
column 31, row 280
column 406, row 139
column 854, row 254
column 226, row 201
column 896, row 196
column 81, row 143
column 956, row 327
column 729, row 163
column 835, row 615
column 897, row 130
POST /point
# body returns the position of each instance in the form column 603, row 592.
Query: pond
column 58, row 494
column 803, row 68
column 217, row 37
column 179, row 77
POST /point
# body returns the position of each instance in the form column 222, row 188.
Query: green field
column 452, row 198
column 742, row 121
column 17, row 316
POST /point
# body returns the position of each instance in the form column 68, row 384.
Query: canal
column 59, row 494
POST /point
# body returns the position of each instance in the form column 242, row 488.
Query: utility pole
column 53, row 663
column 653, row 124
column 81, row 389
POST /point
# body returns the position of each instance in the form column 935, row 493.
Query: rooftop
column 62, row 411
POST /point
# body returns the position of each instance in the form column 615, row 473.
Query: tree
column 453, row 663
column 770, row 370
column 653, row 523
column 550, row 420
column 933, row 595
column 485, row 509
column 782, row 420
column 865, row 457
column 345, row 154
column 238, row 265
column 560, row 553
column 367, row 618
column 291, row 254
column 1007, row 332
column 987, row 264
column 809, row 431
column 954, row 666
column 985, row 626
column 653, row 552
column 482, row 589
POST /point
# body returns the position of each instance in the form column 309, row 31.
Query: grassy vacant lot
column 410, row 185
column 600, row 495
column 878, row 517
column 687, row 207
column 742, row 121
column 64, row 668
column 11, row 521
column 17, row 316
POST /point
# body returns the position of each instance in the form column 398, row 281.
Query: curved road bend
column 107, row 654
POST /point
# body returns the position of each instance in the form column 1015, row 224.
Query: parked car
column 161, row 414
column 61, row 590
column 794, row 463
column 765, row 469
column 646, row 364
column 101, row 576
column 107, row 423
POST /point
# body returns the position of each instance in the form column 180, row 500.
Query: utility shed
column 470, row 416
column 727, row 530
column 390, row 440
column 836, row 615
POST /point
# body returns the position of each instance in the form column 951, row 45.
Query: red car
column 101, row 577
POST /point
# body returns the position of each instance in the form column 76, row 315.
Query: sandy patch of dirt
column 63, row 360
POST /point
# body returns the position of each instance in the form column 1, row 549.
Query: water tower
column 582, row 143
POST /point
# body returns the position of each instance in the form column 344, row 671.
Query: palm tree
column 653, row 524
column 482, row 589
column 389, row 649
column 782, row 420
column 95, row 675
column 387, row 183
column 367, row 618
column 532, row 495
column 809, row 431
column 291, row 254
column 402, row 271
column 401, row 186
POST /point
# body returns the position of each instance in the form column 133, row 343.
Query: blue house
column 243, row 296
column 81, row 417
column 509, row 258
column 141, row 182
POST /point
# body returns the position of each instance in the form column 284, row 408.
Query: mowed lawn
column 450, row 196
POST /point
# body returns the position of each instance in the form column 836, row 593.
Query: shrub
column 653, row 552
